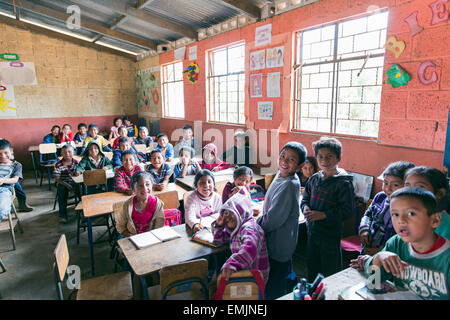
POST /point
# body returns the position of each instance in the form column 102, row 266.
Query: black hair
column 126, row 152
column 187, row 148
column 155, row 151
column 242, row 170
column 161, row 135
column 313, row 162
column 138, row 175
column 187, row 126
column 56, row 126
column 202, row 173
column 143, row 128
column 122, row 128
column 398, row 169
column 4, row 144
column 297, row 147
column 67, row 146
column 93, row 125
column 82, row 125
column 126, row 118
column 426, row 197
column 329, row 143
column 436, row 177
column 68, row 125
column 115, row 119
column 123, row 139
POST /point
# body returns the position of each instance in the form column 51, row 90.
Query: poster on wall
column 274, row 57
column 258, row 60
column 265, row 110
column 263, row 35
column 148, row 91
column 179, row 53
column 192, row 52
column 18, row 73
column 7, row 101
column 256, row 85
column 273, row 85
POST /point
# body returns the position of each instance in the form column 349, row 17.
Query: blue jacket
column 51, row 139
column 117, row 157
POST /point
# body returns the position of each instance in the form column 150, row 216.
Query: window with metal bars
column 339, row 74
column 172, row 90
column 225, row 84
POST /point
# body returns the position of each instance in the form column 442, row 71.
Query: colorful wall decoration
column 148, row 90
column 7, row 101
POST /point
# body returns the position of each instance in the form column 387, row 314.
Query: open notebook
column 154, row 236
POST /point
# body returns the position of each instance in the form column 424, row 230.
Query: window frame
column 163, row 83
column 297, row 79
column 210, row 88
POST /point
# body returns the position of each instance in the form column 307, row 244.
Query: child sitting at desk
column 131, row 127
column 143, row 212
column 124, row 144
column 10, row 173
column 187, row 165
column 94, row 159
column 416, row 257
column 433, row 180
column 242, row 177
column 80, row 136
column 236, row 225
column 125, row 172
column 159, row 170
column 66, row 134
column 53, row 136
column 210, row 160
column 117, row 123
column 94, row 136
column 64, row 168
column 165, row 146
column 122, row 134
column 240, row 153
column 143, row 137
column 202, row 202
column 279, row 219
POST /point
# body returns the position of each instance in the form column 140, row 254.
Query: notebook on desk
column 208, row 220
column 388, row 292
column 205, row 236
column 147, row 239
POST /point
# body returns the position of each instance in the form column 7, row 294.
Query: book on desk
column 388, row 291
column 204, row 235
column 155, row 236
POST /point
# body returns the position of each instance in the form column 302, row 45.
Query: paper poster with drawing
column 273, row 85
column 274, row 57
column 18, row 73
column 7, row 101
column 265, row 110
column 258, row 60
column 263, row 35
column 256, row 85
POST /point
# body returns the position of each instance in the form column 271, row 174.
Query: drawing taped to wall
column 147, row 89
column 7, row 101
column 18, row 73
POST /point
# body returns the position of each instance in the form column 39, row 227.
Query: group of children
column 406, row 227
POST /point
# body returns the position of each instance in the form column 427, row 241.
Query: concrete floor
column 29, row 268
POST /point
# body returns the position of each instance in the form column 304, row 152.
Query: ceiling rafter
column 245, row 7
column 94, row 27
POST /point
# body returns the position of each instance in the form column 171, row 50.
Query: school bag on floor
column 172, row 217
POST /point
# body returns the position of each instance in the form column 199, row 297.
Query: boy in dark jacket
column 327, row 201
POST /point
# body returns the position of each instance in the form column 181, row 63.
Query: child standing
column 53, row 136
column 210, row 160
column 328, row 199
column 66, row 134
column 247, row 241
column 376, row 225
column 433, row 180
column 279, row 219
column 165, row 146
column 143, row 212
column 125, row 172
column 202, row 202
column 117, row 124
column 10, row 173
column 159, row 170
column 416, row 257
column 242, row 177
column 64, row 168
column 187, row 165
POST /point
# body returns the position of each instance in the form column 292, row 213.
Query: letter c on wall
column 422, row 70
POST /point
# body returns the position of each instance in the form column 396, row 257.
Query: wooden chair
column 46, row 149
column 115, row 286
column 220, row 186
column 94, row 178
column 141, row 148
column 182, row 281
column 13, row 221
column 170, row 199
column 242, row 285
column 186, row 195
column 268, row 178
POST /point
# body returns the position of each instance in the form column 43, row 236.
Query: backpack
column 172, row 217
column 256, row 192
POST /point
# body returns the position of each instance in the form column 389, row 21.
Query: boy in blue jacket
column 328, row 200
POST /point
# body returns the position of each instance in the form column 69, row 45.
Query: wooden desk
column 152, row 259
column 336, row 283
column 79, row 179
column 95, row 205
column 173, row 186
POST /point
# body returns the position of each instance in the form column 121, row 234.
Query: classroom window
column 225, row 84
column 338, row 83
column 172, row 89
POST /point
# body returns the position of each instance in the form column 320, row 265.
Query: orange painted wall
column 413, row 118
